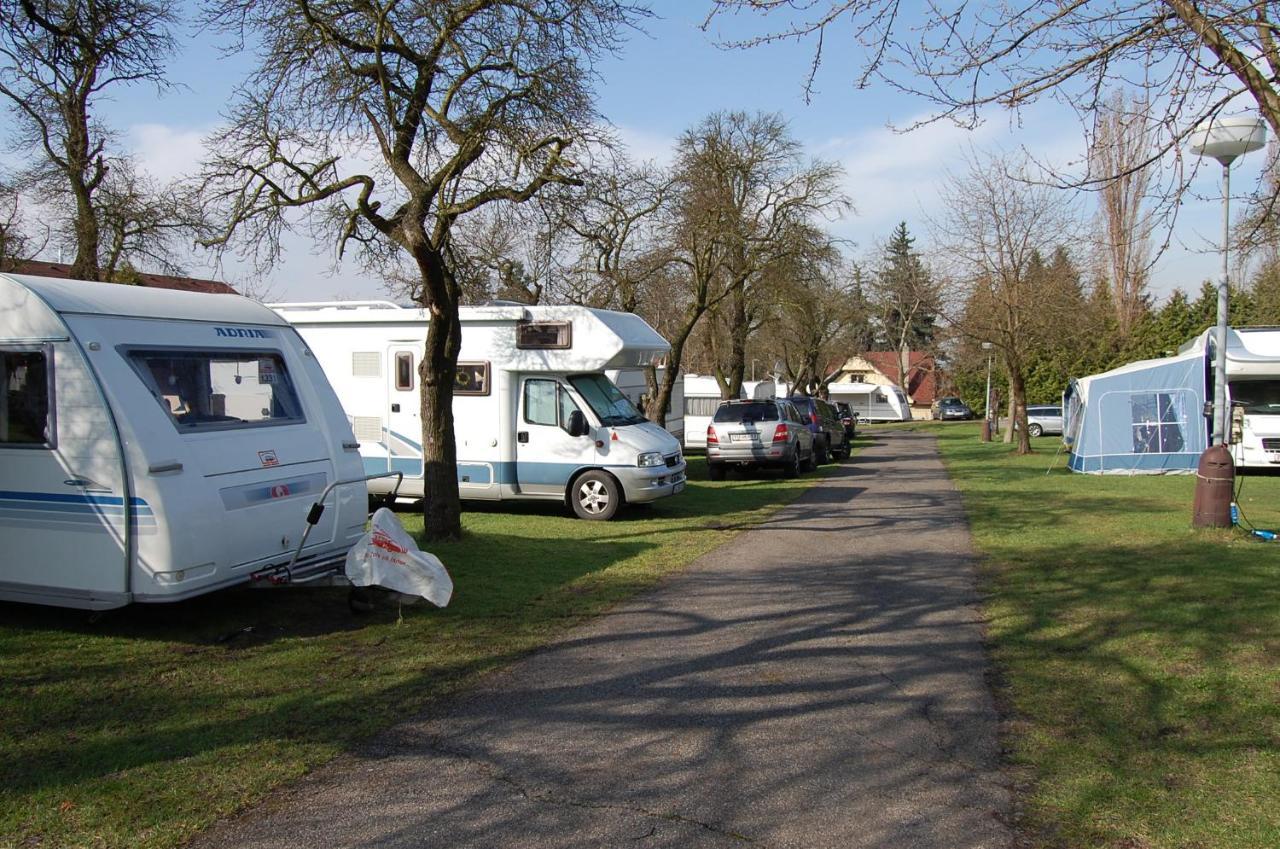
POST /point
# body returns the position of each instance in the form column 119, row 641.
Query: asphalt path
column 819, row 681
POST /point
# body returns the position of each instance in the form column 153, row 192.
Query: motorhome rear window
column 544, row 334
column 219, row 390
column 24, row 404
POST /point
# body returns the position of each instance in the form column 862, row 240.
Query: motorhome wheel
column 595, row 496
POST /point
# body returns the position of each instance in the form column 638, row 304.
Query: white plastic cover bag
column 388, row 557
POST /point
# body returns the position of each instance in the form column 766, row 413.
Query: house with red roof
column 62, row 271
column 882, row 368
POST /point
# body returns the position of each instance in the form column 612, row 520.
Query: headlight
column 650, row 458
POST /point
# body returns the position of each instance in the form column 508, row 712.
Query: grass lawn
column 1140, row 659
column 142, row 728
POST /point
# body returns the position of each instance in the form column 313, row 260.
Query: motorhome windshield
column 1260, row 397
column 606, row 400
column 219, row 389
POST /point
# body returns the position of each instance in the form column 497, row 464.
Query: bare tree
column 996, row 228
column 17, row 241
column 57, row 58
column 1122, row 145
column 1188, row 60
column 743, row 188
column 388, row 122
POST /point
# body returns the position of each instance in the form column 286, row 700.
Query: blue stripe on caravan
column 416, row 446
column 78, row 498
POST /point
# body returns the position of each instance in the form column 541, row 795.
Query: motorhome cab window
column 219, row 389
column 404, row 371
column 472, row 379
column 1258, row 397
column 607, row 401
column 547, row 403
column 544, row 334
column 24, row 406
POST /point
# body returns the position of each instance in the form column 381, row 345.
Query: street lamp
column 1223, row 139
column 986, row 403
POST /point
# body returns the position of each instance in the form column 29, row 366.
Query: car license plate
column 742, row 437
column 678, row 488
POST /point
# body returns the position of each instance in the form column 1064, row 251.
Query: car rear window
column 755, row 412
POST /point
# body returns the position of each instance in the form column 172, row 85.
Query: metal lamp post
column 1223, row 139
column 986, row 402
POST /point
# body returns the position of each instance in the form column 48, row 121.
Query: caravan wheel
column 595, row 495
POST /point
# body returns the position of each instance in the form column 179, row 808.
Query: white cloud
column 167, row 152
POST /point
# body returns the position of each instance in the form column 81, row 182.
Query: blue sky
column 666, row 80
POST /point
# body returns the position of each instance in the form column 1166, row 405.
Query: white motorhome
column 535, row 417
column 1253, row 387
column 872, row 402
column 633, row 383
column 156, row 445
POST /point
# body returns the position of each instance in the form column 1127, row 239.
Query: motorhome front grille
column 366, row 364
column 367, row 428
column 1272, row 444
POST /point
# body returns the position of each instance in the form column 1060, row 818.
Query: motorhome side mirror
column 578, row 424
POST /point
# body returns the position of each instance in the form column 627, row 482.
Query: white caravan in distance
column 535, row 417
column 156, row 445
column 872, row 402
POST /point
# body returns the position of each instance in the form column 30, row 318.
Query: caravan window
column 25, row 376
column 218, row 390
column 544, row 334
column 471, row 379
column 700, row 406
column 404, row 371
column 1158, row 421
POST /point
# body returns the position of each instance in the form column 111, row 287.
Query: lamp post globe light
column 1224, row 139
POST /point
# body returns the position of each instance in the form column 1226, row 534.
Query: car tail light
column 712, row 439
column 813, row 417
column 781, row 434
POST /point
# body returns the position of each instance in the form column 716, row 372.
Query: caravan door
column 546, row 455
column 403, row 433
column 63, row 514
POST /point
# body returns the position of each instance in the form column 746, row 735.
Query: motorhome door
column 545, row 452
column 403, row 436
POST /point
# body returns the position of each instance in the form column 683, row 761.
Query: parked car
column 848, row 418
column 1044, row 418
column 951, row 408
column 829, row 440
column 752, row 433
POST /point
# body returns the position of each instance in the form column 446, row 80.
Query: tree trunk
column 1008, row 427
column 1018, row 409
column 738, row 331
column 441, row 508
column 85, row 264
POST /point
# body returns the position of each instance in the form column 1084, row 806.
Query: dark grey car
column 829, row 437
column 753, row 433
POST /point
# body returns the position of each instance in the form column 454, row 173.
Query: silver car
column 1044, row 418
column 749, row 434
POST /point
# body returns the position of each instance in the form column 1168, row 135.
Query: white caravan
column 535, row 417
column 635, row 385
column 156, row 445
column 872, row 402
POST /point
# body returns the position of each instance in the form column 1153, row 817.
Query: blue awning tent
column 1141, row 418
